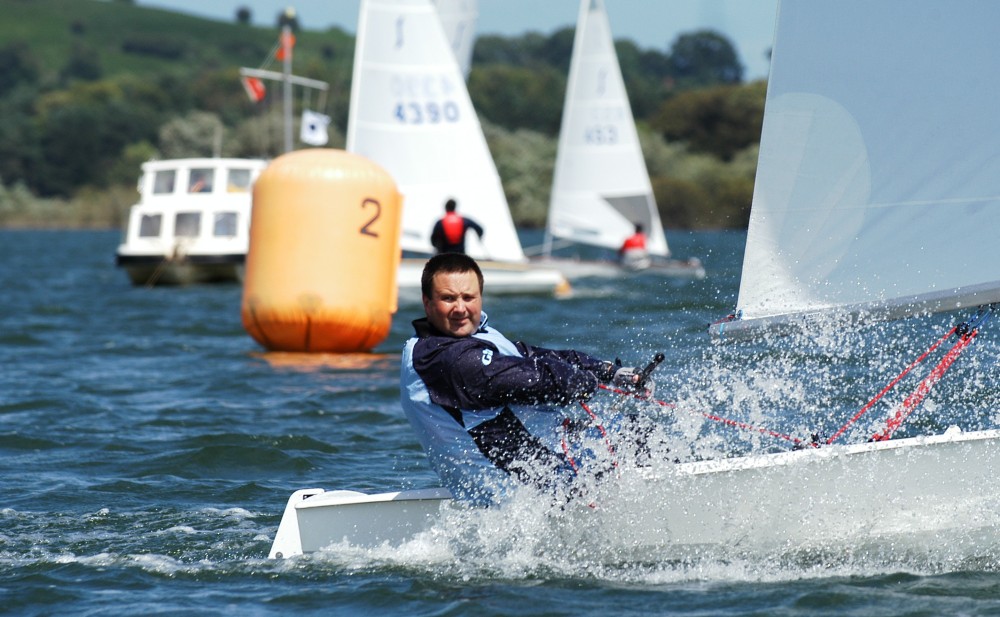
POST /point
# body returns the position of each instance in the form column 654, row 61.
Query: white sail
column 878, row 184
column 458, row 17
column 411, row 114
column 601, row 188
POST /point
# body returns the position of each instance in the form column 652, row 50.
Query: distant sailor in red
column 448, row 235
column 633, row 253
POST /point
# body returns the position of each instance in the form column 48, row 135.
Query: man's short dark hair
column 448, row 263
column 450, row 205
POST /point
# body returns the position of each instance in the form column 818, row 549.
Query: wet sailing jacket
column 485, row 408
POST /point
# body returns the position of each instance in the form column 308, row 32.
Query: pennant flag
column 285, row 49
column 255, row 88
column 313, row 131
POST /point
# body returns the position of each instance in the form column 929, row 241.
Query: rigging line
column 604, row 433
column 886, row 389
column 914, row 399
column 967, row 332
column 271, row 54
column 726, row 421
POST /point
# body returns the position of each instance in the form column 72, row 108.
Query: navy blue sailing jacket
column 487, row 410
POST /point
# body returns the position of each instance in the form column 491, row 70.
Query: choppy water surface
column 148, row 445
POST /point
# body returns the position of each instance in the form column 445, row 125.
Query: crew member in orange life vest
column 633, row 254
column 448, row 235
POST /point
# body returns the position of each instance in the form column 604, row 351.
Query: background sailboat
column 411, row 114
column 601, row 187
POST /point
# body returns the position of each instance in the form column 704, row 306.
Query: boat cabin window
column 225, row 225
column 163, row 181
column 239, row 181
column 149, row 225
column 187, row 224
column 200, row 180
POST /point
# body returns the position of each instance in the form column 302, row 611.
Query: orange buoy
column 324, row 252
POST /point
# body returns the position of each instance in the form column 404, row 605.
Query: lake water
column 148, row 446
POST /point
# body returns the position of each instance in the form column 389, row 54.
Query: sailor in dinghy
column 488, row 410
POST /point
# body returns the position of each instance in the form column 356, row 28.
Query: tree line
column 89, row 91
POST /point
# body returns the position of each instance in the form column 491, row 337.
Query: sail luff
column 458, row 18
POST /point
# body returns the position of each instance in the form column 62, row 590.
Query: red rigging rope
column 918, row 395
column 892, row 384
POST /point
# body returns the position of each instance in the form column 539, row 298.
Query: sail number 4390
column 430, row 112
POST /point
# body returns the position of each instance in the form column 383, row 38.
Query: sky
column 748, row 24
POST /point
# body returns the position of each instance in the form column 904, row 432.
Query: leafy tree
column 645, row 88
column 83, row 130
column 521, row 51
column 244, row 15
column 721, row 120
column 83, row 63
column 125, row 170
column 20, row 148
column 196, row 134
column 704, row 58
column 525, row 160
column 18, row 65
column 557, row 49
column 517, row 97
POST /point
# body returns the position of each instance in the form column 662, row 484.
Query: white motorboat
column 601, row 188
column 877, row 194
column 192, row 222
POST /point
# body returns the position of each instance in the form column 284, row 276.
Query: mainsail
column 600, row 188
column 878, row 183
column 411, row 114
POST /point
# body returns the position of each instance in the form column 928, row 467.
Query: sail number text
column 430, row 112
column 600, row 134
column 424, row 98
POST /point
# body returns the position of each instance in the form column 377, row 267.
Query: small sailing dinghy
column 877, row 194
column 411, row 113
column 601, row 188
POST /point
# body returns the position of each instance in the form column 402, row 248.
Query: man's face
column 456, row 303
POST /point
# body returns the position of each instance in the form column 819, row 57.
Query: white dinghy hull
column 315, row 518
column 922, row 487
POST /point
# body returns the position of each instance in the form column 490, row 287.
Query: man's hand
column 629, row 379
column 626, row 378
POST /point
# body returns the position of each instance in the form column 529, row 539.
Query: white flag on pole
column 313, row 131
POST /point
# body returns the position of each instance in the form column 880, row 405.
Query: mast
column 286, row 43
column 286, row 61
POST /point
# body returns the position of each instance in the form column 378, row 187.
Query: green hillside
column 89, row 89
column 137, row 39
